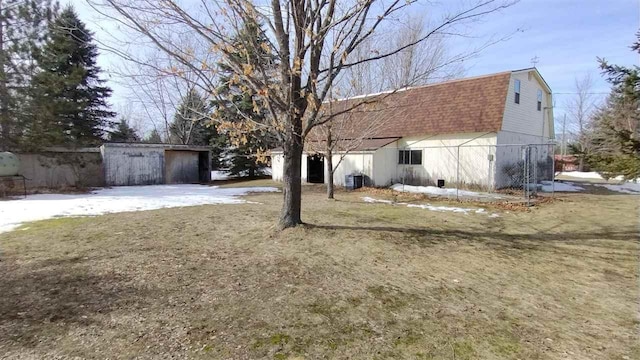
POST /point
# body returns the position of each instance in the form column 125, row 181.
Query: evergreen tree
column 192, row 125
column 247, row 146
column 23, row 25
column 153, row 138
column 189, row 124
column 616, row 131
column 124, row 133
column 69, row 98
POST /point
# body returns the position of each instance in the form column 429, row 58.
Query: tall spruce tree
column 235, row 101
column 616, row 130
column 69, row 98
column 23, row 25
column 124, row 133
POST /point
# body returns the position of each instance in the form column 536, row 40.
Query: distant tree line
column 52, row 93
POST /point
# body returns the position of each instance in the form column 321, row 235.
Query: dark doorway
column 315, row 169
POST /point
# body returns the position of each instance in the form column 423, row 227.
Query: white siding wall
column 440, row 159
column 277, row 159
column 356, row 162
column 524, row 117
column 353, row 163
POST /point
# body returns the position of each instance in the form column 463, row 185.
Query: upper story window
column 517, row 89
column 539, row 100
column 410, row 157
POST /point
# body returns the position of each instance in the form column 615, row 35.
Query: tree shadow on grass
column 44, row 299
column 595, row 245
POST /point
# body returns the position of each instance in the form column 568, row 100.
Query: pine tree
column 69, row 98
column 153, row 138
column 616, row 131
column 22, row 31
column 247, row 146
column 192, row 125
column 189, row 124
column 124, row 133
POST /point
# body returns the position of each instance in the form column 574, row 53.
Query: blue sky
column 566, row 35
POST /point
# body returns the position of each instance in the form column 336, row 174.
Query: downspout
column 458, row 162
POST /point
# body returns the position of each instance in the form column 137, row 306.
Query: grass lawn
column 361, row 281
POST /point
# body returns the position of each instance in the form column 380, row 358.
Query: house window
column 410, row 157
column 539, row 100
column 517, row 88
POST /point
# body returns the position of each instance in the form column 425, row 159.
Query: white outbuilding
column 478, row 131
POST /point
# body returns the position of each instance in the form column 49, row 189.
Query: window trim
column 517, row 88
column 539, row 105
column 405, row 156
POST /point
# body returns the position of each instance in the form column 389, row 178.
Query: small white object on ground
column 117, row 199
column 433, row 190
column 431, row 207
column 548, row 186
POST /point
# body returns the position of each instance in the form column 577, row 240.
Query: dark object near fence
column 440, row 183
column 5, row 179
column 352, row 182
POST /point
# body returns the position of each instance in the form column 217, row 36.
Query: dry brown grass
column 366, row 281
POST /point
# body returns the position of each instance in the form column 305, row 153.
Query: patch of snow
column 582, row 175
column 219, row 175
column 593, row 176
column 548, row 186
column 224, row 175
column 433, row 190
column 372, row 200
column 430, row 207
column 626, row 188
column 117, row 199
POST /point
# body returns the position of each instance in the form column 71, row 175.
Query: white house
column 473, row 131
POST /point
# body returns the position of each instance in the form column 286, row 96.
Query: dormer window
column 517, row 88
column 539, row 100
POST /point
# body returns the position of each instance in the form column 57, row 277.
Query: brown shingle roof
column 458, row 106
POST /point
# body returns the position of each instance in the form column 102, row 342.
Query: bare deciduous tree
column 313, row 40
column 580, row 109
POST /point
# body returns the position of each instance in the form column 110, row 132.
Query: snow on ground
column 592, row 175
column 433, row 190
column 116, row 199
column 431, row 207
column 224, row 175
column 219, row 175
column 548, row 186
column 626, row 188
column 582, row 175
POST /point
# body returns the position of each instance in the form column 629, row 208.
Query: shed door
column 181, row 167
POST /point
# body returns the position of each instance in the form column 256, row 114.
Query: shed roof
column 164, row 146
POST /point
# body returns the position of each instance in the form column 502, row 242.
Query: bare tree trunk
column 292, row 181
column 5, row 120
column 330, row 187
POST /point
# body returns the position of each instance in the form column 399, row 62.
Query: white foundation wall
column 472, row 164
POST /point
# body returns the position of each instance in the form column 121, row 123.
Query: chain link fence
column 516, row 169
